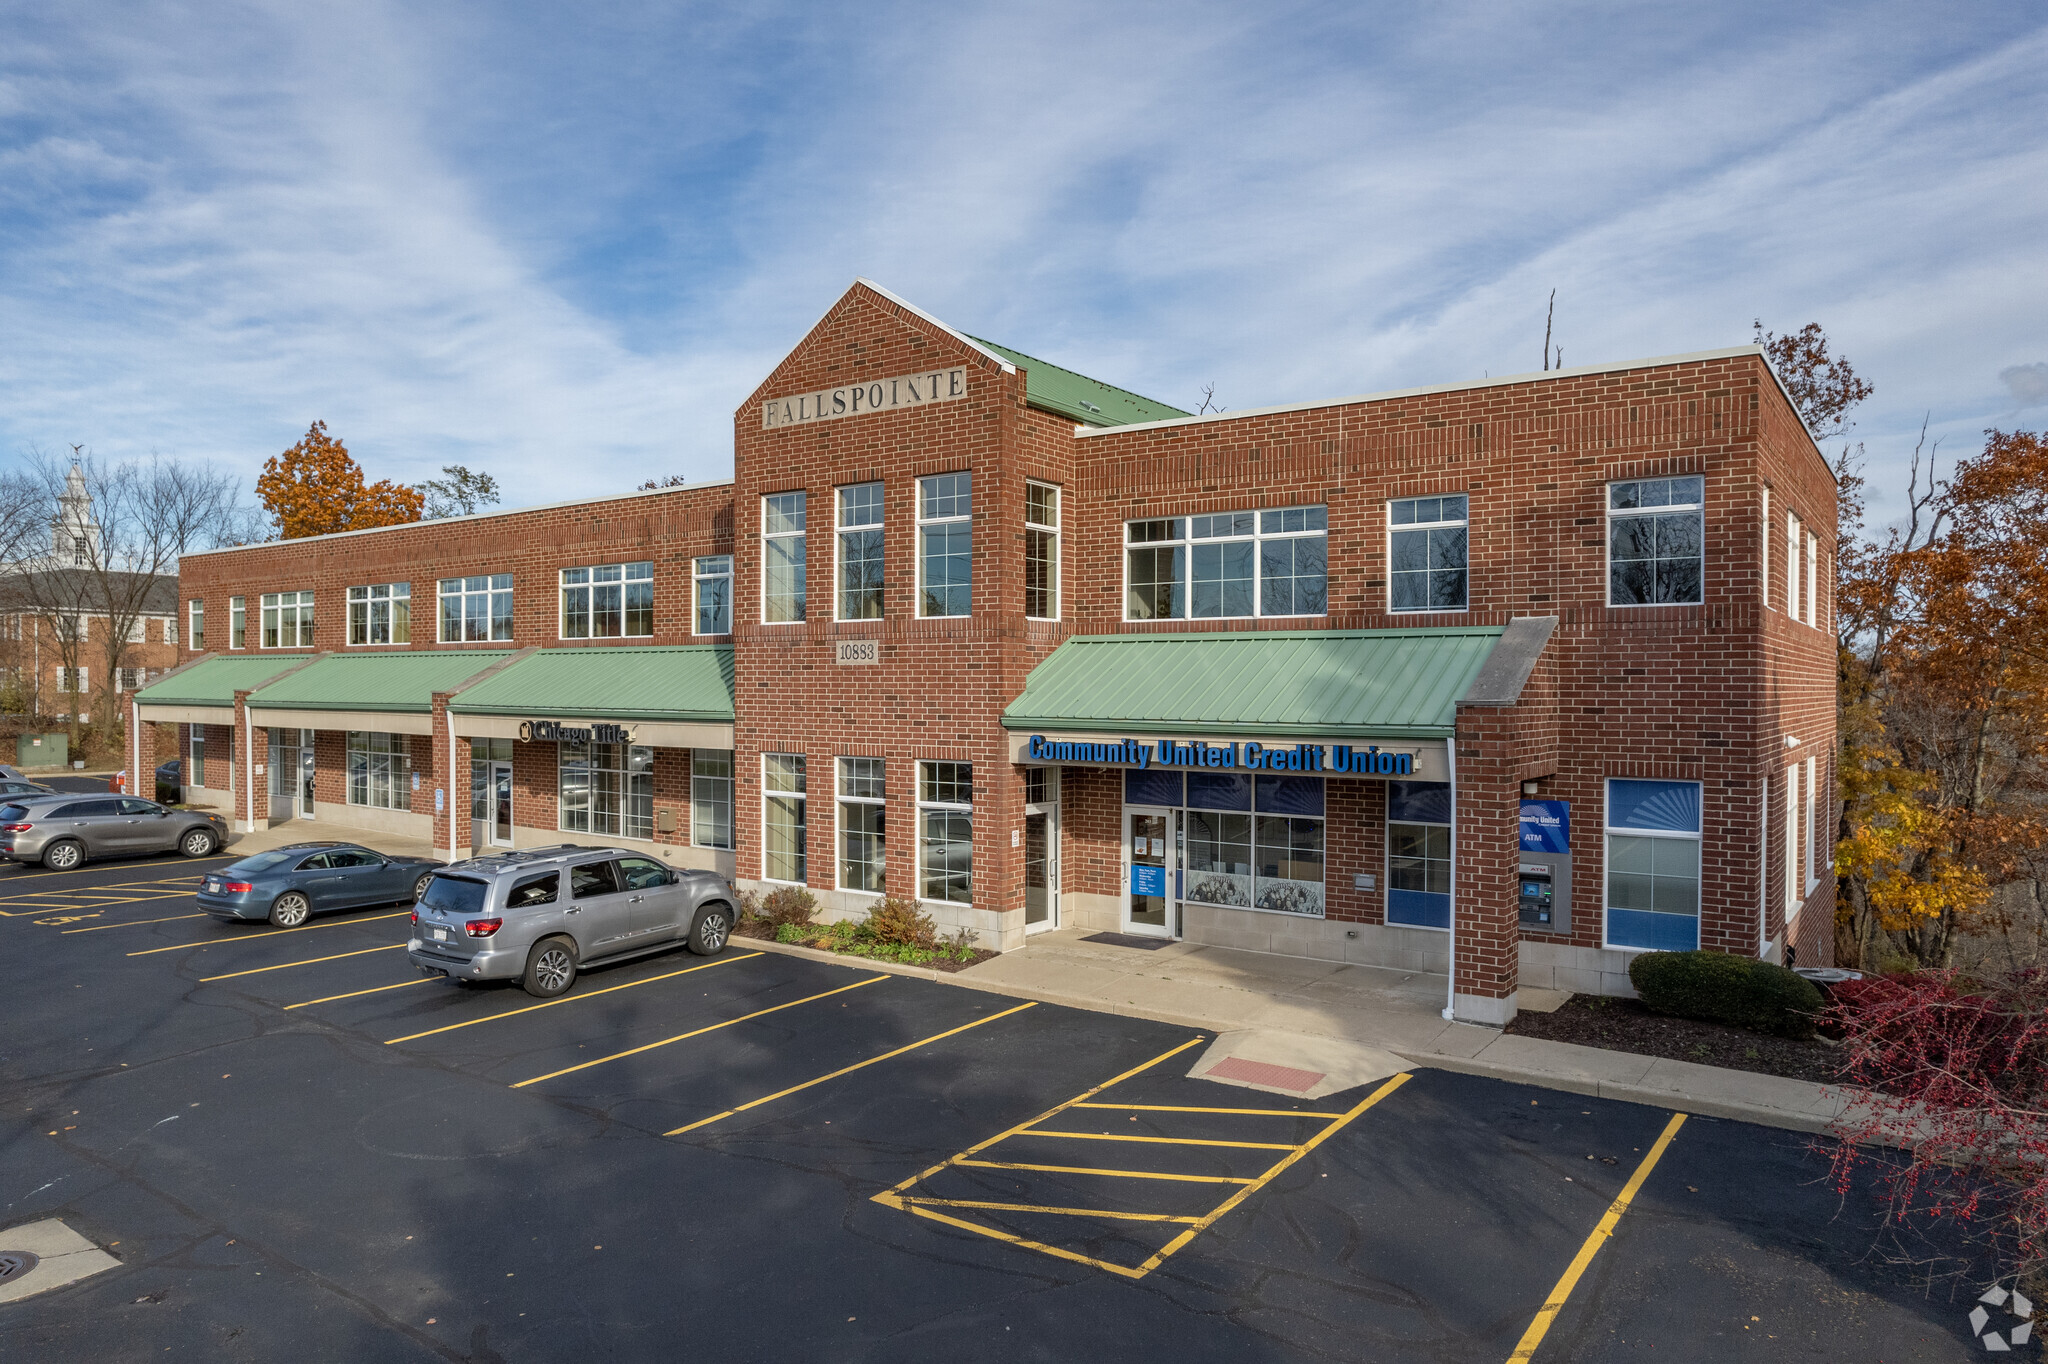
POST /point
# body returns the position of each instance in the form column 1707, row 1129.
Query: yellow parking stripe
column 1525, row 1349
column 252, row 937
column 568, row 999
column 1064, row 1212
column 843, row 1070
column 1255, row 1112
column 310, row 961
column 1158, row 1141
column 374, row 990
column 697, row 1032
column 1091, row 1170
column 134, row 923
column 79, row 871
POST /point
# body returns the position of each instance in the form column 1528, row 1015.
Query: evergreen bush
column 1724, row 988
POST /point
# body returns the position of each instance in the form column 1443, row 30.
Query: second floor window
column 1656, row 541
column 1227, row 564
column 1041, row 551
column 860, row 552
column 238, row 622
column 476, row 609
column 196, row 622
column 1426, row 551
column 287, row 620
column 381, row 614
column 782, row 542
column 609, row 601
column 711, row 577
column 945, row 554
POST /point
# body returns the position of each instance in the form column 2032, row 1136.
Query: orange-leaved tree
column 315, row 488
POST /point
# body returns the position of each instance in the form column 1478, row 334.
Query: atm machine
column 1544, row 896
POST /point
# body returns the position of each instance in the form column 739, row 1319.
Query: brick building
column 1525, row 674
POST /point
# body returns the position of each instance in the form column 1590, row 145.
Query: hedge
column 1727, row 989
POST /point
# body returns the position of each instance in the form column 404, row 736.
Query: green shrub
column 788, row 905
column 791, row 933
column 899, row 923
column 1727, row 989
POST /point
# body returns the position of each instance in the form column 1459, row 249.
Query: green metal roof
column 214, row 681
column 1086, row 400
column 1327, row 683
column 685, row 683
column 398, row 681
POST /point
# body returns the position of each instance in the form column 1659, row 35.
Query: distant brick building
column 1525, row 674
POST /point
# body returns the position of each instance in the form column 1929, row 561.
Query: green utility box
column 42, row 750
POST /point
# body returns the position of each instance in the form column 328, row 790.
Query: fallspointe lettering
column 879, row 395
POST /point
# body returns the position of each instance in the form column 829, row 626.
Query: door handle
column 573, row 909
column 636, row 899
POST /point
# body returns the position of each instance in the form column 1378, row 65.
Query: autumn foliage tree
column 315, row 488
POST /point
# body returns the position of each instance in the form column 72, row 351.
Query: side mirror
column 675, row 878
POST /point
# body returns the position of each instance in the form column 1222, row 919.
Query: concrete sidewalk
column 1225, row 990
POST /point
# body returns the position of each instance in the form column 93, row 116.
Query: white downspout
column 1451, row 983
column 449, row 717
column 1763, row 870
column 249, row 768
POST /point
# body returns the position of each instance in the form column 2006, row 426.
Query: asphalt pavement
column 296, row 1147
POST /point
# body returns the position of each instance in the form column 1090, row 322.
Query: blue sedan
column 289, row 885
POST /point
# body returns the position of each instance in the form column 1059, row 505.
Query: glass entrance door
column 291, row 774
column 1041, row 870
column 1151, row 862
column 306, row 774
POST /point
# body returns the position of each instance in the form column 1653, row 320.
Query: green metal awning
column 400, row 681
column 680, row 684
column 1300, row 683
column 214, row 681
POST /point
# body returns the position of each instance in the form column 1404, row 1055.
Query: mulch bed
column 1625, row 1025
column 756, row 928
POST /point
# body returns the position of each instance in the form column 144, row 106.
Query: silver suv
column 541, row 915
column 62, row 830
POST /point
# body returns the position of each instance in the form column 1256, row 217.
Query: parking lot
column 299, row 1147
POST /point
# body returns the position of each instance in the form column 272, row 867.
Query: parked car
column 12, row 773
column 170, row 777
column 289, row 885
column 63, row 829
column 16, row 786
column 541, row 915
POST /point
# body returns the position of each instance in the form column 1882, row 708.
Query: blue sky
column 562, row 243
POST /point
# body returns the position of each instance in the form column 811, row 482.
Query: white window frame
column 589, row 585
column 1258, row 536
column 1463, row 523
column 926, row 524
column 711, row 797
column 801, row 796
column 1052, row 533
column 238, row 623
column 80, row 681
column 1791, row 818
column 637, row 827
column 1766, row 548
column 841, row 528
column 170, row 629
column 1607, row 832
column 1792, row 565
column 1607, row 552
column 1812, row 825
column 490, row 591
column 1812, row 566
column 195, row 614
column 300, row 606
column 700, row 576
column 950, row 808
column 366, row 596
column 395, row 770
column 800, row 535
column 130, row 679
column 839, row 803
column 195, row 770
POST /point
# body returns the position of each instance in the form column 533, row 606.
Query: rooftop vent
column 1091, row 406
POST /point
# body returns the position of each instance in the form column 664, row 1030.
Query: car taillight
column 415, row 916
column 238, row 887
column 483, row 928
column 17, row 828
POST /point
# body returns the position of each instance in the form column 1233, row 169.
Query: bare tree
column 1550, row 314
column 1209, row 403
column 458, row 492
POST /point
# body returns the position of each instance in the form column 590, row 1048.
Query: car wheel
column 419, row 887
column 550, row 968
column 198, row 843
column 708, row 935
column 290, row 910
column 64, row 856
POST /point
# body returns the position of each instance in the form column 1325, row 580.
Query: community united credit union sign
column 877, row 395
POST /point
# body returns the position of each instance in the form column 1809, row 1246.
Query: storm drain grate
column 15, row 1263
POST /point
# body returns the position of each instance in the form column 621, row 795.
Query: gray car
column 64, row 829
column 13, row 786
column 289, row 885
column 542, row 915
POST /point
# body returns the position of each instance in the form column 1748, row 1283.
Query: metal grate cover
column 15, row 1263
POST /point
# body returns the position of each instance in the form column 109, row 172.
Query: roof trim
column 473, row 516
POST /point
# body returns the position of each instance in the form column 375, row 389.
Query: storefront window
column 476, row 609
column 1228, row 564
column 1427, row 554
column 945, row 569
column 197, row 776
column 1288, row 858
column 711, row 797
column 1653, row 865
column 945, row 812
column 862, row 858
column 381, row 614
column 860, row 552
column 783, row 852
column 482, row 753
column 1419, row 853
column 782, row 539
column 606, row 789
column 712, row 577
column 379, row 770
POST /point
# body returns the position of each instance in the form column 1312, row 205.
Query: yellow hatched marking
column 272, row 933
column 1032, row 1207
column 373, row 990
column 1175, row 1108
column 843, row 1070
column 1091, row 1170
column 310, row 961
column 697, row 1032
column 1160, row 1141
column 76, row 871
column 567, row 999
column 1525, row 1349
column 134, row 923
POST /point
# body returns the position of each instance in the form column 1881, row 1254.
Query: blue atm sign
column 1546, row 826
